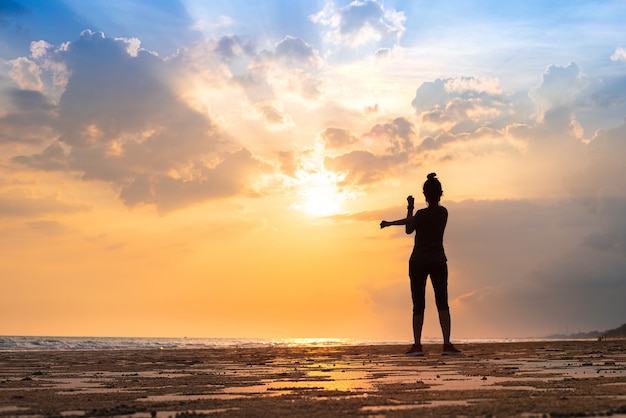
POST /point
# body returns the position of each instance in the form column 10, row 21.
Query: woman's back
column 430, row 224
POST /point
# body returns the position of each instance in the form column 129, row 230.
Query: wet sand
column 529, row 379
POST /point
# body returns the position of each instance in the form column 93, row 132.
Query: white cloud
column 619, row 54
column 26, row 74
column 119, row 121
column 559, row 87
column 47, row 58
column 465, row 104
column 359, row 23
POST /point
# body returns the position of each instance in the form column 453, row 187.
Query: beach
column 526, row 379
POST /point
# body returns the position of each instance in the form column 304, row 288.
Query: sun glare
column 318, row 193
column 321, row 200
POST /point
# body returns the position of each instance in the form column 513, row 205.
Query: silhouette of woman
column 428, row 258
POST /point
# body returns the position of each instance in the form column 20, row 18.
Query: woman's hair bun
column 431, row 176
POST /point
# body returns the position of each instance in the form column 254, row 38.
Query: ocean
column 39, row 343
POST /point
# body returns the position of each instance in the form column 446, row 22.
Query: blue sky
column 153, row 139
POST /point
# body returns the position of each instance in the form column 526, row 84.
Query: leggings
column 438, row 276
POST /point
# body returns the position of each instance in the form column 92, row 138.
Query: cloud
column 399, row 134
column 288, row 163
column 230, row 47
column 263, row 76
column 619, row 54
column 465, row 104
column 466, row 115
column 53, row 158
column 392, row 144
column 120, row 121
column 30, row 121
column 363, row 167
column 26, row 74
column 335, row 138
column 524, row 267
column 559, row 87
column 359, row 23
column 295, row 51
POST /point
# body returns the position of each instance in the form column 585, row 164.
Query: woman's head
column 432, row 188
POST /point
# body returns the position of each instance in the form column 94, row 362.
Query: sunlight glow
column 322, row 201
column 318, row 190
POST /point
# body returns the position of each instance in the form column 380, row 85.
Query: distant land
column 619, row 332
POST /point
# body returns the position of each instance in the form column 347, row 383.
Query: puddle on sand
column 335, row 380
column 10, row 408
column 76, row 413
column 170, row 414
column 442, row 379
column 173, row 397
column 427, row 404
column 79, row 385
column 566, row 368
column 345, row 380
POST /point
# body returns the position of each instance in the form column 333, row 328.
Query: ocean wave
column 39, row 343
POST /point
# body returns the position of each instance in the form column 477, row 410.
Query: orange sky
column 223, row 182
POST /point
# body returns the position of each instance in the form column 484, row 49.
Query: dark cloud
column 30, row 121
column 363, row 167
column 53, row 158
column 526, row 266
column 119, row 121
column 399, row 133
column 335, row 138
column 295, row 50
column 382, row 53
column 228, row 178
column 271, row 114
column 230, row 47
column 359, row 14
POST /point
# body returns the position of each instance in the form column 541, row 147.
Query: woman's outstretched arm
column 409, row 227
column 385, row 224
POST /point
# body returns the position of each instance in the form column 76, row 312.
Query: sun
column 319, row 194
column 319, row 191
column 321, row 201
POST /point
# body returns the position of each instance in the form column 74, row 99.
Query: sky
column 220, row 168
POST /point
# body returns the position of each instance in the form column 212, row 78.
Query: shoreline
column 55, row 343
column 540, row 378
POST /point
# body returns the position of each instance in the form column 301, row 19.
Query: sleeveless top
column 430, row 224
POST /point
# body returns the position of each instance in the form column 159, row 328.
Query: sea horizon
column 45, row 343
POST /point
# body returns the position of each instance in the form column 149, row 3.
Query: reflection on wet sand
column 534, row 378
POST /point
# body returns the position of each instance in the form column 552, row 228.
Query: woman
column 428, row 258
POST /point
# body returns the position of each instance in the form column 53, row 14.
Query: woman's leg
column 418, row 275
column 418, row 323
column 444, row 321
column 439, row 278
